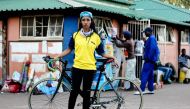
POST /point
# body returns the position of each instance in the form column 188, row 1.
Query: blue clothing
column 151, row 56
column 167, row 72
column 147, row 75
column 151, row 51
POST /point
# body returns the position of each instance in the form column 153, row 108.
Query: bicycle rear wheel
column 42, row 93
column 121, row 98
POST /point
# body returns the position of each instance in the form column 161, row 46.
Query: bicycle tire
column 109, row 99
column 42, row 92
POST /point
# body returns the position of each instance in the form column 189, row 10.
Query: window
column 104, row 23
column 136, row 27
column 98, row 23
column 185, row 36
column 27, row 26
column 41, row 26
column 55, row 26
column 159, row 31
column 170, row 36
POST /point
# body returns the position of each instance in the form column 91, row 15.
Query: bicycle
column 59, row 89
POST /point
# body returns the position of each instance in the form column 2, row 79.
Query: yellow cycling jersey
column 85, row 47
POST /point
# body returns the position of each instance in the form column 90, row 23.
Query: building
column 32, row 29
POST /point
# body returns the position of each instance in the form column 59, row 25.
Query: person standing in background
column 119, row 55
column 151, row 56
column 128, row 45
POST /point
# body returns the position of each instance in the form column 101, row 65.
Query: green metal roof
column 166, row 11
column 122, row 1
column 144, row 9
column 100, row 5
column 105, row 6
column 17, row 5
column 135, row 11
column 112, row 7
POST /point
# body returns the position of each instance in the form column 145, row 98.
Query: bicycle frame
column 98, row 98
column 69, row 79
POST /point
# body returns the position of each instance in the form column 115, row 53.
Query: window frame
column 159, row 30
column 188, row 35
column 104, row 19
column 170, row 35
column 34, row 36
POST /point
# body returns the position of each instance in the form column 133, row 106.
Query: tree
column 180, row 3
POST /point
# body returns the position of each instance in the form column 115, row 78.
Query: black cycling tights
column 77, row 76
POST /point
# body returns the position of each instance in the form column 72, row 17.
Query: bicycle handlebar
column 105, row 60
column 51, row 61
column 52, row 67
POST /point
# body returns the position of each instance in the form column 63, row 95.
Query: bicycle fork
column 59, row 84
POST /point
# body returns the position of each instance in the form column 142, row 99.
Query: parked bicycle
column 54, row 93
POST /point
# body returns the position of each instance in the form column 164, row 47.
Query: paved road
column 174, row 96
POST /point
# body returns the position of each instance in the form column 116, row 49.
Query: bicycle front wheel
column 41, row 95
column 116, row 94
